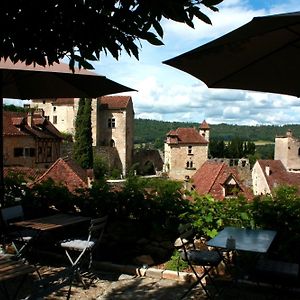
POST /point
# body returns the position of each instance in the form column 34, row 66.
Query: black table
column 251, row 240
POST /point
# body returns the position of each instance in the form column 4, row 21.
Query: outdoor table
column 52, row 222
column 49, row 224
column 12, row 269
column 255, row 242
column 250, row 240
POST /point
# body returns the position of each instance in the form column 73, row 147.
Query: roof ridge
column 217, row 174
column 48, row 170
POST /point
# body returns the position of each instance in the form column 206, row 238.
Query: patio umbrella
column 263, row 55
column 21, row 81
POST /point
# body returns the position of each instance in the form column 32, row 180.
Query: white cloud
column 165, row 93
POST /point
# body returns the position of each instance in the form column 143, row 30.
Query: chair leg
column 71, row 281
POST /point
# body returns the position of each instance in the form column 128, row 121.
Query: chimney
column 289, row 133
column 268, row 171
column 30, row 118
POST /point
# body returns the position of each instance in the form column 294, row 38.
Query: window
column 49, row 151
column 26, row 152
column 54, row 108
column 18, row 152
column 54, row 119
column 112, row 143
column 299, row 151
column 190, row 150
column 190, row 165
column 111, row 123
column 47, row 118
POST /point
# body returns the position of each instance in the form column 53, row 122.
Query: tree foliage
column 83, row 146
column 43, row 32
column 147, row 131
column 236, row 148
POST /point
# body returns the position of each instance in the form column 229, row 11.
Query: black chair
column 82, row 247
column 207, row 259
column 277, row 273
column 19, row 238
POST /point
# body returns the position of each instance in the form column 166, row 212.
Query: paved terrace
column 119, row 282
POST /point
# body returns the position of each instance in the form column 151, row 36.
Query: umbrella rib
column 216, row 83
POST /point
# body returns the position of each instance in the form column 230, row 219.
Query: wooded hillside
column 154, row 132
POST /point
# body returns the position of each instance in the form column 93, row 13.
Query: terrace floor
column 120, row 286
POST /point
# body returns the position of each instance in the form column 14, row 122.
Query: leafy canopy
column 43, row 32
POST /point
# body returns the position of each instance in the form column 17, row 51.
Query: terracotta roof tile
column 66, row 172
column 278, row 174
column 57, row 101
column 29, row 174
column 186, row 136
column 15, row 123
column 114, row 102
column 204, row 125
column 211, row 177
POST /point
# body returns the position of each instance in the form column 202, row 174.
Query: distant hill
column 152, row 131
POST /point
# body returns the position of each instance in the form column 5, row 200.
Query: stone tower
column 114, row 129
column 287, row 149
column 204, row 130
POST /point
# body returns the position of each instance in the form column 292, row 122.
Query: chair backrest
column 96, row 229
column 13, row 213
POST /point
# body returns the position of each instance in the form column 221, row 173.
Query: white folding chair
column 84, row 246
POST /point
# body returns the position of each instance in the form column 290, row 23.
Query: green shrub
column 176, row 263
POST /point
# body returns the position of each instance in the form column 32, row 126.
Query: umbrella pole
column 1, row 147
column 1, row 155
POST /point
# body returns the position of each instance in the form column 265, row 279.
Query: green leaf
column 209, row 3
column 152, row 39
column 200, row 15
column 158, row 28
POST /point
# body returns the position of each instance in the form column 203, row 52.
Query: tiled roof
column 29, row 174
column 114, row 102
column 16, row 124
column 211, row 177
column 204, row 125
column 67, row 172
column 57, row 101
column 186, row 136
column 278, row 174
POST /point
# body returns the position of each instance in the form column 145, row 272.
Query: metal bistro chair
column 207, row 259
column 19, row 238
column 82, row 247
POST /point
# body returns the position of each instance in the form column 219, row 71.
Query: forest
column 152, row 134
column 152, row 131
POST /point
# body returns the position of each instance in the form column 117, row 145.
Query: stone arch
column 148, row 168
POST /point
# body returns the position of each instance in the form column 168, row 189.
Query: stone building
column 114, row 130
column 29, row 140
column 112, row 125
column 287, row 149
column 267, row 175
column 186, row 149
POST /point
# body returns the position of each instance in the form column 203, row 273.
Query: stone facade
column 186, row 149
column 112, row 124
column 60, row 112
column 259, row 181
column 287, row 149
column 115, row 128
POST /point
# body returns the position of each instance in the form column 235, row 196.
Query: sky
column 168, row 94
